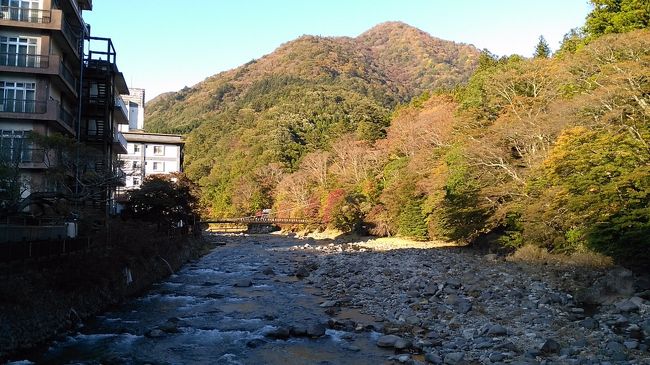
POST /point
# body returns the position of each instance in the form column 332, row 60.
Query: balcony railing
column 24, row 60
column 119, row 143
column 68, row 76
column 66, row 117
column 46, row 110
column 25, row 14
column 121, row 112
column 72, row 34
column 23, row 106
column 22, row 155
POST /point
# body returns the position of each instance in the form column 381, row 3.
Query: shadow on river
column 229, row 307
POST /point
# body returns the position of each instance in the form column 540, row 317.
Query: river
column 224, row 309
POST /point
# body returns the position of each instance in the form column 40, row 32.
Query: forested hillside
column 552, row 151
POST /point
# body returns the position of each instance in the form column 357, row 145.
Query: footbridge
column 261, row 221
column 254, row 224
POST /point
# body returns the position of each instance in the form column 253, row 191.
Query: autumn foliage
column 552, row 152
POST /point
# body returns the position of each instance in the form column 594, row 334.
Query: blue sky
column 164, row 45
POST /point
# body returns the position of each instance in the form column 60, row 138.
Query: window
column 18, row 51
column 15, row 147
column 22, row 10
column 17, row 97
column 158, row 166
column 95, row 127
column 136, row 148
column 136, row 181
column 136, row 165
column 158, row 150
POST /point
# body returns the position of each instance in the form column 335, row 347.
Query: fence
column 15, row 251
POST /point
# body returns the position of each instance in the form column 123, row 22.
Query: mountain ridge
column 393, row 60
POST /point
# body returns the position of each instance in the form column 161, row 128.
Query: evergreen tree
column 617, row 16
column 542, row 50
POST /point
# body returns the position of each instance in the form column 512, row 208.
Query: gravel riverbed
column 452, row 305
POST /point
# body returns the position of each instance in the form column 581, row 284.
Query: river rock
column 316, row 330
column 433, row 358
column 491, row 257
column 268, row 271
column 388, row 340
column 497, row 330
column 627, row 306
column 170, row 327
column 281, row 332
column 615, row 285
column 589, row 323
column 402, row 344
column 154, row 333
column 631, row 344
column 302, row 272
column 550, row 346
column 243, row 283
column 256, row 342
column 454, row 358
column 463, row 306
column 496, row 357
column 298, row 330
column 329, row 303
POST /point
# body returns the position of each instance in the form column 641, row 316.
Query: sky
column 165, row 45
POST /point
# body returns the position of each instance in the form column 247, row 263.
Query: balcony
column 50, row 110
column 39, row 64
column 68, row 77
column 119, row 143
column 120, row 114
column 18, row 17
column 120, row 177
column 74, row 6
column 24, row 61
column 18, row 14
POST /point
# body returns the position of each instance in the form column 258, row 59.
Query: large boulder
column 388, row 340
column 617, row 284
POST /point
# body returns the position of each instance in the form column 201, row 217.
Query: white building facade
column 147, row 153
column 151, row 154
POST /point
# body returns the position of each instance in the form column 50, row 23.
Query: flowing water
column 199, row 316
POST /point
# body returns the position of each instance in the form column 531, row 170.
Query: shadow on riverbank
column 42, row 299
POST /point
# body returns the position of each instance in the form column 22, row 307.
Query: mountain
column 389, row 63
column 416, row 61
column 245, row 126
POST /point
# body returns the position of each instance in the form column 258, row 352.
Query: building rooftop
column 139, row 136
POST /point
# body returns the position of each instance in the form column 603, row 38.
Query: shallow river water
column 199, row 316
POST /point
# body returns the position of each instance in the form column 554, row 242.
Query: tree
column 617, row 16
column 165, row 200
column 572, row 41
column 542, row 50
column 343, row 210
column 11, row 186
column 411, row 222
column 71, row 175
column 316, row 165
column 353, row 160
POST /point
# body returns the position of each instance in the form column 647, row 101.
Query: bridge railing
column 262, row 220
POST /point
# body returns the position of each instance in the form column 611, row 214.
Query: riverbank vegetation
column 551, row 151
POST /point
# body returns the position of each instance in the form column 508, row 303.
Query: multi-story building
column 135, row 106
column 147, row 153
column 55, row 79
column 151, row 154
column 102, row 111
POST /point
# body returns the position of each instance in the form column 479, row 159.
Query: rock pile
column 456, row 307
